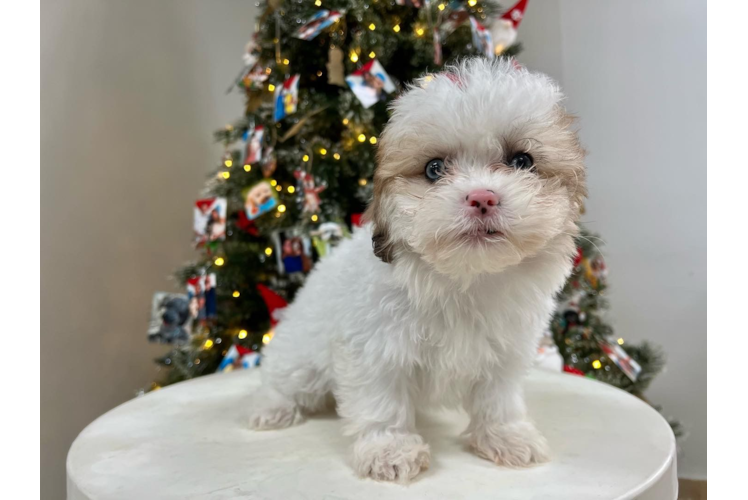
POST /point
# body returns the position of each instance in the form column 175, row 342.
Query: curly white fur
column 453, row 317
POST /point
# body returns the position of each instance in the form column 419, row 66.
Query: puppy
column 478, row 187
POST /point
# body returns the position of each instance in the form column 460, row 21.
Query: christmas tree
column 296, row 176
column 296, row 173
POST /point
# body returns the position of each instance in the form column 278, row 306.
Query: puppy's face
column 478, row 169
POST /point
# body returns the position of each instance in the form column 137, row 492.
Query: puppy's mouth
column 484, row 235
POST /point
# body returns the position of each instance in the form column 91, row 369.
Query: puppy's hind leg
column 284, row 400
column 273, row 410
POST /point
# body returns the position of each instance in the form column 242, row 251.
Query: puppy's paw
column 394, row 457
column 518, row 444
column 274, row 417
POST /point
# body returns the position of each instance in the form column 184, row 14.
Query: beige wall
column 131, row 92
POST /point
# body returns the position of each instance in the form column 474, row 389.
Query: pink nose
column 482, row 201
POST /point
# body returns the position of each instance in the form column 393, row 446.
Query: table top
column 191, row 441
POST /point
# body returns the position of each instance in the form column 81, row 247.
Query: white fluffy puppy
column 479, row 184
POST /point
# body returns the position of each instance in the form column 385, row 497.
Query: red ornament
column 515, row 14
column 573, row 371
column 273, row 301
column 356, row 220
column 247, row 225
column 578, row 257
column 243, row 350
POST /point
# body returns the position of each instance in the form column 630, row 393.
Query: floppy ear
column 380, row 239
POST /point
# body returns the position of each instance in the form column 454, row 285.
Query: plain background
column 132, row 91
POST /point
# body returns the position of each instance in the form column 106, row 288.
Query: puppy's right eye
column 435, row 169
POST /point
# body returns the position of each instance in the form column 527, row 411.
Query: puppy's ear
column 380, row 239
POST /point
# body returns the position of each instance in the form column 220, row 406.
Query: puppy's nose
column 482, row 201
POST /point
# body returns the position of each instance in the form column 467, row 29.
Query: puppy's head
column 479, row 168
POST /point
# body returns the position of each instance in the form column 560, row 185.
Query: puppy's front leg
column 499, row 429
column 379, row 410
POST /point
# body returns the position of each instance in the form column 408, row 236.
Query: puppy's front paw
column 394, row 457
column 518, row 444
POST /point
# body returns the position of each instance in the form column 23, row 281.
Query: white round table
column 190, row 441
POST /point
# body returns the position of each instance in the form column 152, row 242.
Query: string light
column 336, row 156
column 271, row 87
column 373, row 139
column 228, row 163
column 354, row 57
column 396, row 28
column 242, row 334
column 472, row 2
column 597, row 364
column 372, row 54
column 361, row 138
column 281, row 208
column 273, row 183
column 372, row 27
column 291, row 189
column 247, row 167
column 305, row 158
column 323, row 151
column 236, row 294
column 286, row 62
column 346, row 121
column 268, row 337
column 441, row 6
column 278, row 188
column 225, row 175
column 268, row 251
column 318, row 3
column 362, row 182
column 620, row 341
column 420, row 31
column 208, row 344
column 219, row 261
column 315, row 218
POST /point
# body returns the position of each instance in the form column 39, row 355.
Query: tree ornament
column 335, row 68
column 319, row 21
column 286, row 98
column 573, row 371
column 311, row 191
column 274, row 303
column 504, row 29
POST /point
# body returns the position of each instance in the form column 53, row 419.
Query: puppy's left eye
column 522, row 161
column 435, row 169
